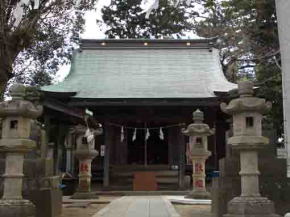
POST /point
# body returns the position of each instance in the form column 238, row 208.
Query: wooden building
column 141, row 91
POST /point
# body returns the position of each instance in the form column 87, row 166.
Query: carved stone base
column 17, row 208
column 251, row 207
column 84, row 195
column 198, row 195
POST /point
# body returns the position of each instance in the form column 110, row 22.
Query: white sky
column 91, row 29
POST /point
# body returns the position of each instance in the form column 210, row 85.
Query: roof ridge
column 146, row 43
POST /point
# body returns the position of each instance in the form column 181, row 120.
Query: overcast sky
column 91, row 29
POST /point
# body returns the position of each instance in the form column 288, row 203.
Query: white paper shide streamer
column 19, row 11
column 90, row 137
column 134, row 135
column 122, row 134
column 147, row 134
column 161, row 134
column 77, row 2
column 149, row 5
column 36, row 4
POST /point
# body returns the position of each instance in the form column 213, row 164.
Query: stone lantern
column 198, row 133
column 17, row 115
column 85, row 153
column 247, row 138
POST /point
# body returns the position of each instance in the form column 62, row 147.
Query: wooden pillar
column 119, row 149
column 181, row 145
column 170, row 148
column 176, row 152
column 51, row 139
column 59, row 148
column 173, row 140
column 124, row 146
column 68, row 167
column 43, row 144
column 108, row 139
column 210, row 118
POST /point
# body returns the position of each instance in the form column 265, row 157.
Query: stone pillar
column 85, row 153
column 198, row 133
column 247, row 139
column 16, row 117
column 282, row 10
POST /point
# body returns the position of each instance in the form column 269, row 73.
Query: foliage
column 249, row 45
column 125, row 19
column 32, row 50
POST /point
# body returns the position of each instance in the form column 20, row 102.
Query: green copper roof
column 153, row 72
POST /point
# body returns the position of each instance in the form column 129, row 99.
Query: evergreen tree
column 124, row 19
column 249, row 46
column 36, row 37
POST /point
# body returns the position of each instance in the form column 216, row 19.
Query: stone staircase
column 121, row 176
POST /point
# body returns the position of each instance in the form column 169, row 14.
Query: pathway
column 141, row 206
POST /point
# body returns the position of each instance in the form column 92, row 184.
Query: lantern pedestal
column 198, row 195
column 85, row 153
column 84, row 195
column 251, row 207
column 85, row 157
column 198, row 176
column 19, row 208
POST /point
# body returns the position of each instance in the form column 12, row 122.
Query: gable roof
column 151, row 69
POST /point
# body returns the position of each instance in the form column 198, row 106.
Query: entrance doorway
column 154, row 150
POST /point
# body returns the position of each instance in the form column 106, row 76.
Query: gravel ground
column 84, row 208
column 193, row 210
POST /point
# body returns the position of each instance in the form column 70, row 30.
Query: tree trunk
column 4, row 78
column 6, row 62
column 8, row 54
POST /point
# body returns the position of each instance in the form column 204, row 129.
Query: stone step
column 139, row 167
column 111, row 192
column 160, row 181
column 168, row 180
column 160, row 173
column 123, row 175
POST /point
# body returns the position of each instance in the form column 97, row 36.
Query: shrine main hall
column 142, row 92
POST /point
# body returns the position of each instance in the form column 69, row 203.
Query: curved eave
column 55, row 94
column 224, row 93
column 81, row 102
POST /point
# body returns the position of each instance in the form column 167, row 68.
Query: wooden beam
column 63, row 108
